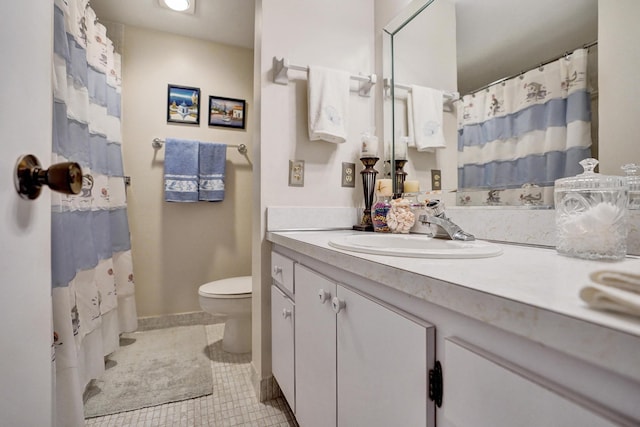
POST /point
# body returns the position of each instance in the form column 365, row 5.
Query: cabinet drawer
column 282, row 333
column 282, row 270
column 481, row 389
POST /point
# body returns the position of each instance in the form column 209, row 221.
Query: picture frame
column 183, row 104
column 227, row 112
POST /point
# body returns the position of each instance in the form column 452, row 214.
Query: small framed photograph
column 183, row 104
column 227, row 112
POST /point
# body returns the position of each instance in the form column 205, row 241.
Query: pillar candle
column 400, row 150
column 411, row 186
column 369, row 147
column 384, row 187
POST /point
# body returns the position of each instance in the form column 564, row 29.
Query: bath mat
column 151, row 368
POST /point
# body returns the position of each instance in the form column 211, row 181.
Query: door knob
column 30, row 177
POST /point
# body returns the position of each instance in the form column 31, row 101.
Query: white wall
column 179, row 246
column 619, row 91
column 331, row 33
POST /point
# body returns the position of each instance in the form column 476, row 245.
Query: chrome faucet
column 446, row 228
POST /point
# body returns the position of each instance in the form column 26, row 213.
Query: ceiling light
column 178, row 5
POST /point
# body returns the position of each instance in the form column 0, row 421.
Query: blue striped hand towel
column 181, row 170
column 213, row 158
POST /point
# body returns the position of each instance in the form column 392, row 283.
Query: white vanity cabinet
column 364, row 344
column 282, row 326
column 358, row 363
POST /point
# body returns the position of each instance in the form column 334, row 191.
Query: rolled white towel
column 611, row 299
column 618, row 279
column 613, row 290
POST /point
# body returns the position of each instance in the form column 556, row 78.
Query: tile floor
column 233, row 402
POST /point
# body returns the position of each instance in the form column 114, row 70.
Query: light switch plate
column 296, row 173
column 348, row 174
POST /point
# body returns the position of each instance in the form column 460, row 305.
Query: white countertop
column 530, row 291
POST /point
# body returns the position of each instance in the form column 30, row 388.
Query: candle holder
column 368, row 187
column 401, row 175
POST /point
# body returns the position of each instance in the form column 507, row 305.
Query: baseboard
column 180, row 319
column 264, row 388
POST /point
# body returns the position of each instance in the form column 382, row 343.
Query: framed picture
column 227, row 112
column 183, row 104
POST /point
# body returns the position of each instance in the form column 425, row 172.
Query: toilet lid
column 230, row 286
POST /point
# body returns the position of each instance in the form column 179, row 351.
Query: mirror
column 464, row 45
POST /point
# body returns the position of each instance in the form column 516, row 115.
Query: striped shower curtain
column 529, row 130
column 92, row 275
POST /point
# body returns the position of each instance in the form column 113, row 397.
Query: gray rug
column 151, row 368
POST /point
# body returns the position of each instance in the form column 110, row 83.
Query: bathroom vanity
column 370, row 340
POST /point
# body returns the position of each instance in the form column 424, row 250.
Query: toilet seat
column 233, row 287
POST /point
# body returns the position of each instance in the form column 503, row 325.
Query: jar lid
column 589, row 179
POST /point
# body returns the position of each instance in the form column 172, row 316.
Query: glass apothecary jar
column 632, row 176
column 380, row 210
column 382, row 205
column 591, row 214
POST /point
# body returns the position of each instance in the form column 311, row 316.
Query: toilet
column 230, row 298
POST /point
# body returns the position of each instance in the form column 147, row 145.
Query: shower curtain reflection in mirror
column 92, row 274
column 525, row 132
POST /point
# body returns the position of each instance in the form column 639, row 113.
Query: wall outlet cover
column 296, row 173
column 436, row 179
column 348, row 174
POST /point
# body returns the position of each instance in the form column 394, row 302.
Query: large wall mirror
column 463, row 46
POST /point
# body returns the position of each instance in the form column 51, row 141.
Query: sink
column 416, row 246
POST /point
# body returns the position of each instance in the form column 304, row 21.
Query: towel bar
column 282, row 66
column 449, row 96
column 242, row 149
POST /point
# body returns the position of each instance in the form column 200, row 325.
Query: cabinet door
column 282, row 312
column 315, row 353
column 481, row 389
column 382, row 365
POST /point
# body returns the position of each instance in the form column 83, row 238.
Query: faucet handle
column 436, row 208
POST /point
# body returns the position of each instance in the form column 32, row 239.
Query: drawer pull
column 277, row 269
column 324, row 296
column 337, row 305
column 286, row 313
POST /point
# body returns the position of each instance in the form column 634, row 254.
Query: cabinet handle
column 277, row 269
column 324, row 296
column 337, row 305
column 286, row 313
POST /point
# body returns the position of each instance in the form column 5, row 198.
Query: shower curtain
column 529, row 130
column 92, row 275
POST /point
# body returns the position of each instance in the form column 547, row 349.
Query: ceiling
column 228, row 22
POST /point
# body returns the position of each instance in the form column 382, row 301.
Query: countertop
column 530, row 291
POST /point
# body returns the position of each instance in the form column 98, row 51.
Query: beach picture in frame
column 227, row 112
column 183, row 104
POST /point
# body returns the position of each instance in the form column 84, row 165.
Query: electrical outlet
column 348, row 174
column 296, row 173
column 436, row 179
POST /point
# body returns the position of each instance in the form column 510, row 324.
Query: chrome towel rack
column 282, row 66
column 449, row 96
column 157, row 143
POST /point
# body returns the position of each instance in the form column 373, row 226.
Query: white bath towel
column 613, row 290
column 328, row 104
column 426, row 109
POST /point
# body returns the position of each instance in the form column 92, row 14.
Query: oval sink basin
column 416, row 246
